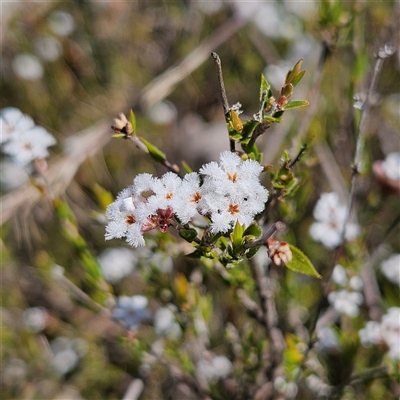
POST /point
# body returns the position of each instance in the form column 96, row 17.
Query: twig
column 382, row 55
column 224, row 98
column 80, row 295
column 135, row 389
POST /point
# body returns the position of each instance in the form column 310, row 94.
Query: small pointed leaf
column 237, row 235
column 290, row 105
column 301, row 263
column 264, row 87
column 253, row 230
column 132, row 119
column 154, row 152
column 188, row 234
column 235, row 121
column 298, row 78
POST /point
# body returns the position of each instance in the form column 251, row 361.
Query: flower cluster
column 386, row 332
column 21, row 139
column 348, row 298
column 132, row 311
column 330, row 216
column 226, row 193
column 391, row 268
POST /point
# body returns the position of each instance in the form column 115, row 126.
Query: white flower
column 166, row 190
column 231, row 191
column 165, row 324
column 29, row 145
column 132, row 310
column 327, row 339
column 13, row 122
column 27, row 66
column 162, row 113
column 330, row 216
column 190, row 194
column 391, row 166
column 117, row 263
column 210, row 370
column 61, row 23
column 356, row 283
column 125, row 218
column 390, row 331
column 48, row 47
column 387, row 332
column 339, row 275
column 371, row 334
column 346, row 302
column 12, row 175
column 391, row 268
column 35, row 319
column 67, row 353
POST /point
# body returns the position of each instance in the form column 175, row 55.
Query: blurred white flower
column 371, row 334
column 327, row 339
column 21, row 139
column 116, row 263
column 48, row 48
column 339, row 275
column 390, row 331
column 387, row 332
column 391, row 268
column 165, row 323
column 210, row 369
column 13, row 121
column 391, row 166
column 345, row 302
column 132, row 311
column 27, row 66
column 162, row 113
column 61, row 23
column 318, row 386
column 29, row 145
column 13, row 371
column 35, row 319
column 67, row 354
column 12, row 175
column 356, row 283
column 330, row 215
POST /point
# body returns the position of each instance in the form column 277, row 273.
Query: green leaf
column 293, row 73
column 264, row 87
column 248, row 128
column 132, row 119
column 118, row 135
column 290, row 105
column 188, row 234
column 298, row 78
column 237, row 235
column 253, row 230
column 273, row 119
column 154, row 152
column 252, row 252
column 301, row 263
column 186, row 167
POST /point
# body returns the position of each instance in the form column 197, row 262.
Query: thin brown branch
column 224, row 98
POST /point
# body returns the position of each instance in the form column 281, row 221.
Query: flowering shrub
column 233, row 254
